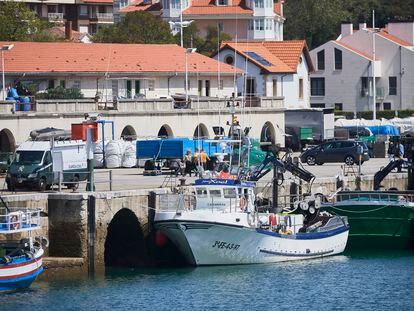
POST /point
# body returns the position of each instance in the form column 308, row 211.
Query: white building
column 241, row 19
column 117, row 70
column 273, row 69
column 343, row 69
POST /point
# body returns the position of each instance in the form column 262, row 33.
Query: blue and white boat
column 20, row 260
column 220, row 222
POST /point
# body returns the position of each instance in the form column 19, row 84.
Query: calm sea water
column 358, row 281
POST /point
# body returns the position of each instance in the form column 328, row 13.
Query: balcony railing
column 55, row 17
column 105, row 17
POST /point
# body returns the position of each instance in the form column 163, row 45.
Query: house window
column 319, row 105
column 151, row 85
column 321, row 60
column 200, row 87
column 221, row 26
column 188, row 84
column 387, row 106
column 339, row 106
column 274, row 82
column 365, row 86
column 128, row 88
column 392, row 86
column 258, row 3
column 250, row 86
column 268, row 24
column 114, row 88
column 317, row 86
column 222, row 2
column 229, row 59
column 338, row 59
column 62, row 83
column 83, row 10
column 137, row 86
column 300, row 88
column 207, row 88
column 251, row 25
column 258, row 24
column 76, row 84
column 175, row 4
column 51, row 84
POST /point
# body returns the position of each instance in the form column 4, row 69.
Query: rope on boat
column 359, row 212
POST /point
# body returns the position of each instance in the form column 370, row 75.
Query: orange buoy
column 160, row 239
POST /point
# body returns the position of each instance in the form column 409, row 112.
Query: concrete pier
column 89, row 231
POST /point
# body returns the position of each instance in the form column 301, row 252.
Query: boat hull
column 20, row 272
column 377, row 225
column 212, row 243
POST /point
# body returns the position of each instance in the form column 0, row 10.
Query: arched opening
column 125, row 243
column 268, row 133
column 201, row 132
column 165, row 131
column 128, row 133
column 7, row 141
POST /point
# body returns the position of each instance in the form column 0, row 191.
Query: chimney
column 347, row 29
column 362, row 26
column 68, row 30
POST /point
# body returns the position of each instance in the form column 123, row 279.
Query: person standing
column 197, row 161
column 204, row 158
column 188, row 164
column 399, row 154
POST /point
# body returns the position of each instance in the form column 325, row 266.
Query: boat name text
column 226, row 245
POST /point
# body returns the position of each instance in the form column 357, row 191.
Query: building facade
column 117, row 70
column 345, row 67
column 272, row 69
column 241, row 19
column 86, row 16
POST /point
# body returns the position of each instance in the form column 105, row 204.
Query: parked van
column 33, row 162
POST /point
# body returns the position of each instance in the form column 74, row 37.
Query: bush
column 60, row 93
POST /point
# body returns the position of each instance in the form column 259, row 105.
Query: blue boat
column 21, row 260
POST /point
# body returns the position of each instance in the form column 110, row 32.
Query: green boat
column 377, row 219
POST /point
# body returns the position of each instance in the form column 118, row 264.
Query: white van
column 34, row 161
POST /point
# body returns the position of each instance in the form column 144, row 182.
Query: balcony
column 55, row 17
column 103, row 17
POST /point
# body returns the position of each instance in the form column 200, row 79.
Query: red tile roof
column 354, row 50
column 384, row 33
column 207, row 7
column 284, row 56
column 98, row 1
column 48, row 57
column 139, row 5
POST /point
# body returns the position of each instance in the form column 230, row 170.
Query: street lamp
column 187, row 51
column 6, row 47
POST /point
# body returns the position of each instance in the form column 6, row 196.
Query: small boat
column 378, row 219
column 222, row 223
column 20, row 261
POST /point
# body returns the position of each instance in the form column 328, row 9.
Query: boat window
column 230, row 193
column 215, row 193
column 29, row 157
column 201, row 192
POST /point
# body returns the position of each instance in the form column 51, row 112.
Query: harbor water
column 353, row 281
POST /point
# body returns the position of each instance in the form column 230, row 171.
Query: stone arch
column 129, row 133
column 7, row 141
column 201, row 131
column 165, row 131
column 125, row 243
column 268, row 133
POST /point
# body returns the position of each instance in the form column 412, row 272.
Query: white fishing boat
column 20, row 260
column 221, row 225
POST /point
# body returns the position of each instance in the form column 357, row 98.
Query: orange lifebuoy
column 14, row 222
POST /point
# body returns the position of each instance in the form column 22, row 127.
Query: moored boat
column 20, row 260
column 221, row 223
column 378, row 219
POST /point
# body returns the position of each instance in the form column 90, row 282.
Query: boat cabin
column 224, row 194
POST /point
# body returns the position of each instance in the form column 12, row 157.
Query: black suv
column 336, row 151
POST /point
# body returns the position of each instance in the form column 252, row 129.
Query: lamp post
column 187, row 51
column 4, row 48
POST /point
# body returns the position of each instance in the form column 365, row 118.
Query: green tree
column 19, row 23
column 137, row 27
column 210, row 44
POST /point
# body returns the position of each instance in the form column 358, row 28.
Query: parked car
column 346, row 151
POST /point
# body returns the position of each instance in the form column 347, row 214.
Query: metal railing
column 389, row 197
column 103, row 16
column 54, row 17
column 18, row 220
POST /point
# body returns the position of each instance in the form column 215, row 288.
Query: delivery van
column 36, row 165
